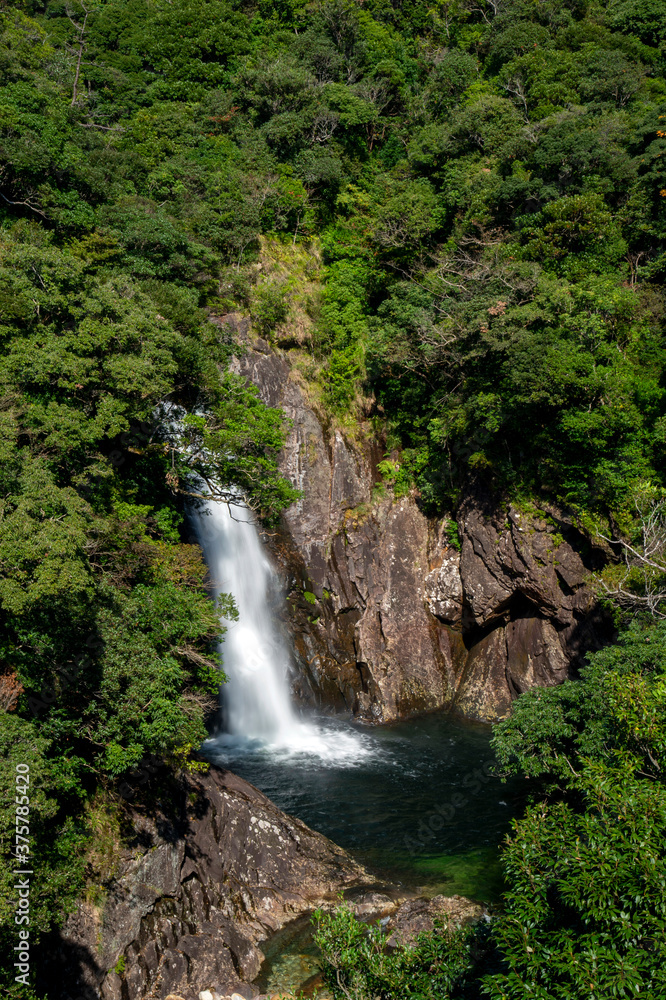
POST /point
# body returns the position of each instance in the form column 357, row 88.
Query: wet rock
column 443, row 585
column 535, row 654
column 506, row 553
column 484, row 692
column 373, row 905
column 528, row 612
column 403, row 668
column 197, row 894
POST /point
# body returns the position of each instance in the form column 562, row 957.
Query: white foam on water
column 309, row 744
column 258, row 713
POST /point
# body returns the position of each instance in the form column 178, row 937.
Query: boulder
column 416, row 916
column 203, row 883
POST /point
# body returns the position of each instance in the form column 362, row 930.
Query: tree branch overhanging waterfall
column 230, row 446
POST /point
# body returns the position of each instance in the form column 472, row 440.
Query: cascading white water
column 256, row 699
column 257, row 703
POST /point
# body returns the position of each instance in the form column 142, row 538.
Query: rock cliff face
column 202, row 885
column 389, row 619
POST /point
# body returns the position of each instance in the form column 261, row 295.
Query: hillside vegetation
column 474, row 192
column 486, row 182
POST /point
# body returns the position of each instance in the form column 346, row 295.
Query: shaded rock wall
column 402, row 622
column 203, row 884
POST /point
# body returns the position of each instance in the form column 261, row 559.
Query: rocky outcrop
column 389, row 618
column 416, row 916
column 202, row 884
column 427, row 626
column 527, row 615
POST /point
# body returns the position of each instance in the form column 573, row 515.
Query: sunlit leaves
column 586, row 912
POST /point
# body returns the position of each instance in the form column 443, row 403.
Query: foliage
column 616, row 709
column 585, row 910
column 108, row 635
column 586, row 914
column 453, row 535
column 639, row 586
column 270, row 307
column 56, row 834
column 358, row 964
column 487, row 181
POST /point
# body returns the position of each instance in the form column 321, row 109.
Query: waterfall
column 256, row 700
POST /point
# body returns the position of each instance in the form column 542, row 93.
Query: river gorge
column 333, row 499
column 415, row 800
column 372, row 648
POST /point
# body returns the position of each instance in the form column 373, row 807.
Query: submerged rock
column 202, row 885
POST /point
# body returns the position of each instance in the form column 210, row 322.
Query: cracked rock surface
column 195, row 895
column 387, row 617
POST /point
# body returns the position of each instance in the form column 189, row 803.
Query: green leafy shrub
column 357, row 962
column 586, row 912
column 585, row 909
column 342, row 376
column 453, row 535
column 270, row 307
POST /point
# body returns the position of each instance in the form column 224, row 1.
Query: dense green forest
column 462, row 206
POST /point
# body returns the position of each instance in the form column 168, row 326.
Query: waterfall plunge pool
column 414, row 801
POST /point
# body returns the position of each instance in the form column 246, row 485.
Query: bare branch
column 23, row 204
column 645, row 561
column 106, row 128
column 515, row 86
column 81, row 28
